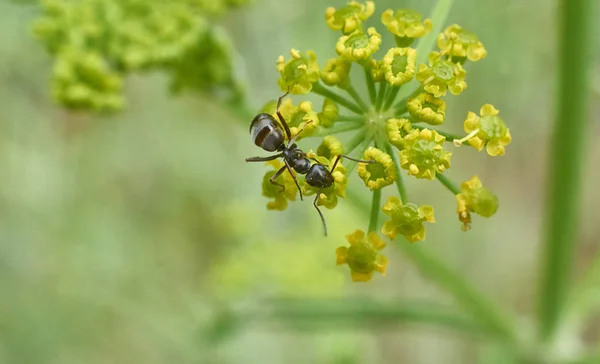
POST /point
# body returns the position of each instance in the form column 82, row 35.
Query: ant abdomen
column 266, row 133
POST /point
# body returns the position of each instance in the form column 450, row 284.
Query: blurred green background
column 139, row 237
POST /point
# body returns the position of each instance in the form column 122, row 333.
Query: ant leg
column 299, row 131
column 277, row 174
column 281, row 119
column 263, row 159
column 294, row 177
column 319, row 211
column 352, row 159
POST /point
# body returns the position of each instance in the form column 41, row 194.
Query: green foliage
column 98, row 43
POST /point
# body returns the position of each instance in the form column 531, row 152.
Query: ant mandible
column 267, row 134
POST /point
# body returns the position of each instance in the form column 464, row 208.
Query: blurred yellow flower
column 441, row 75
column 362, row 257
column 330, row 147
column 299, row 73
column 460, row 44
column 280, row 195
column 406, row 219
column 475, row 198
column 335, row 72
column 406, row 25
column 329, row 113
column 350, row 17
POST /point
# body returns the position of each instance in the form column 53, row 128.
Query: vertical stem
column 391, row 96
column 566, row 161
column 375, row 206
column 370, row 83
column 381, row 95
column 400, row 182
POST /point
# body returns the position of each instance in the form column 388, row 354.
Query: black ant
column 267, row 134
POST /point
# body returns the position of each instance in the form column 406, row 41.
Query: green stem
column 321, row 90
column 381, row 95
column 357, row 140
column 449, row 136
column 352, row 92
column 370, row 82
column 400, row 182
column 332, row 313
column 390, row 97
column 566, row 164
column 346, row 118
column 487, row 314
column 448, row 184
column 375, row 206
column 475, row 303
column 360, row 149
column 337, row 129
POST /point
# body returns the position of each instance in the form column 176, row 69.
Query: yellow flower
column 406, row 219
column 460, row 44
column 475, row 198
column 427, row 108
column 328, row 197
column 329, row 113
column 280, row 195
column 486, row 130
column 299, row 73
column 424, row 154
column 358, row 46
column 399, row 65
column 380, row 174
column 396, row 130
column 441, row 75
column 376, row 71
column 406, row 25
column 330, row 147
column 335, row 72
column 295, row 116
column 350, row 17
column 363, row 256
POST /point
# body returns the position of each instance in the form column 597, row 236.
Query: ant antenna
column 300, row 131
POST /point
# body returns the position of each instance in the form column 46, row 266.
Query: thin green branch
column 337, row 129
column 370, row 82
column 449, row 136
column 390, row 97
column 484, row 311
column 448, row 184
column 400, row 182
column 347, row 118
column 567, row 157
column 357, row 140
column 340, row 314
column 323, row 91
column 352, row 92
column 375, row 206
column 381, row 95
